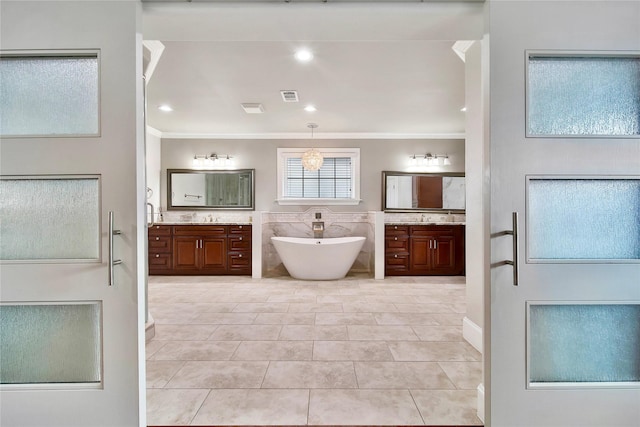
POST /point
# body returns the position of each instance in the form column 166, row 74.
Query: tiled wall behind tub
column 298, row 224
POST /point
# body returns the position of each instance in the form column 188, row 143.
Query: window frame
column 287, row 153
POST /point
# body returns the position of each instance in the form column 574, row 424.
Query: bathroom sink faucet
column 318, row 229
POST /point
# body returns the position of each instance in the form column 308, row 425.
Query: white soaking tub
column 318, row 259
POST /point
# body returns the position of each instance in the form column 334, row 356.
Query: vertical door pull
column 112, row 262
column 152, row 222
column 514, row 232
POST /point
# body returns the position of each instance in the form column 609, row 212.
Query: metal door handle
column 514, row 233
column 112, row 262
column 150, row 224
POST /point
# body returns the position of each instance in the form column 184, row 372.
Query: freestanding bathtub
column 318, row 259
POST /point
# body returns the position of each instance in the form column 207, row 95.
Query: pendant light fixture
column 312, row 159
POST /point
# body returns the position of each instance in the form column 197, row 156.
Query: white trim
column 460, row 48
column 378, row 251
column 328, row 135
column 316, row 202
column 155, row 48
column 154, row 132
column 480, row 410
column 472, row 333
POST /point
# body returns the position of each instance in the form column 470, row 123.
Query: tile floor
column 277, row 351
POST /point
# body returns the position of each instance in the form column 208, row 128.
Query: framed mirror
column 408, row 191
column 207, row 189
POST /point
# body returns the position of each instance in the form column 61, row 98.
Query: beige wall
column 260, row 154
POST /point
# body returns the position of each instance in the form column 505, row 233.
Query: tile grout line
column 200, row 407
column 416, row 405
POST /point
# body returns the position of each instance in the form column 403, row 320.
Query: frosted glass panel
column 584, row 96
column 584, row 343
column 50, row 343
column 49, row 96
column 584, row 219
column 49, row 219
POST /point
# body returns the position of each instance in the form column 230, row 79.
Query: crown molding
column 154, row 132
column 298, row 135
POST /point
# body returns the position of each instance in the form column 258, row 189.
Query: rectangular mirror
column 207, row 189
column 408, row 191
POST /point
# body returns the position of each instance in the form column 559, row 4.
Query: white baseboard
column 472, row 333
column 481, row 402
column 150, row 329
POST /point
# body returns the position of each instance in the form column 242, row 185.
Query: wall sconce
column 430, row 160
column 212, row 161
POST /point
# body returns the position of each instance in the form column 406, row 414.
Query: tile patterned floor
column 277, row 351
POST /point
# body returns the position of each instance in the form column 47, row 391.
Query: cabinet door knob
column 395, row 228
column 395, row 256
column 240, row 256
column 157, row 256
column 239, row 226
column 241, row 238
column 157, row 238
column 395, row 238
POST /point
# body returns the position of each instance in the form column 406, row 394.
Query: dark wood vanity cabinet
column 423, row 250
column 200, row 249
column 160, row 249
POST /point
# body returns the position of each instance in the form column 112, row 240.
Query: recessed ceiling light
column 463, row 109
column 310, row 108
column 304, row 55
column 252, row 108
column 165, row 107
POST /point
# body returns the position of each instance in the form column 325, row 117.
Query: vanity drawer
column 396, row 243
column 159, row 244
column 396, row 264
column 240, row 229
column 160, row 230
column 199, row 230
column 396, row 230
column 160, row 262
column 240, row 262
column 239, row 243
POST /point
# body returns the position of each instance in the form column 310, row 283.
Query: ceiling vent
column 289, row 95
column 252, row 108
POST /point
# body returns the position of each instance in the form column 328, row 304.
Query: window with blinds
column 331, row 181
column 337, row 182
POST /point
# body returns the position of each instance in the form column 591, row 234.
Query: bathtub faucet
column 318, row 229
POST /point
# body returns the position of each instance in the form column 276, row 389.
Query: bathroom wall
column 154, row 166
column 260, row 154
column 298, row 224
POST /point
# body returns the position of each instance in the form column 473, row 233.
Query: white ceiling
column 379, row 70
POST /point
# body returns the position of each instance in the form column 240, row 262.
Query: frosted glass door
column 583, row 344
column 583, row 219
column 48, row 343
column 71, row 336
column 52, row 94
column 46, row 218
column 583, row 95
column 564, row 156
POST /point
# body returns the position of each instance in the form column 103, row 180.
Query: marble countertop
column 201, row 223
column 424, row 223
